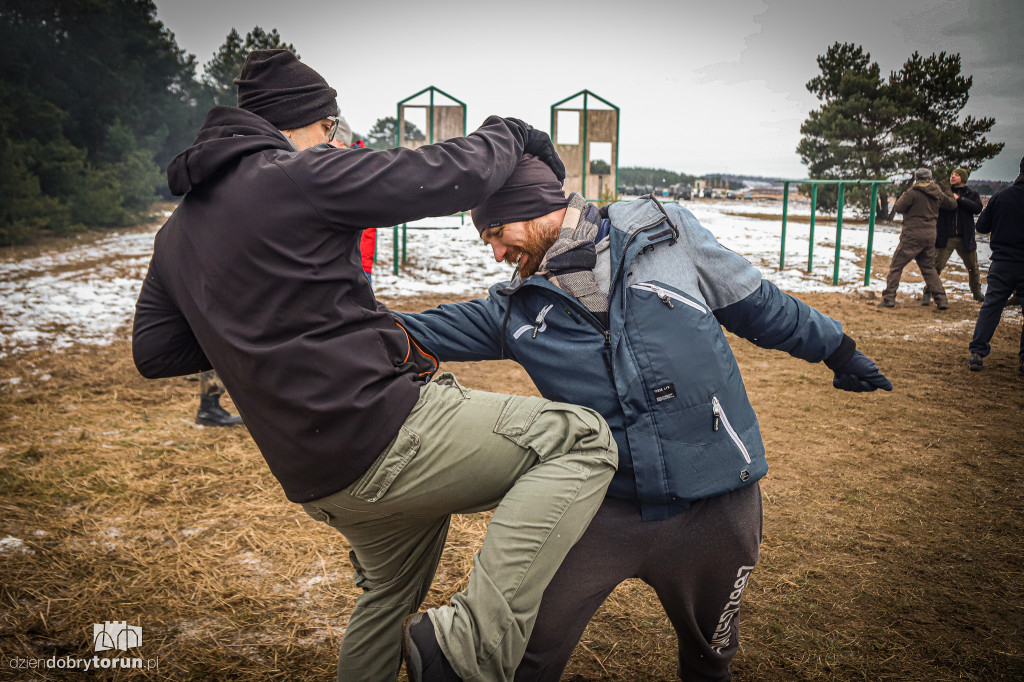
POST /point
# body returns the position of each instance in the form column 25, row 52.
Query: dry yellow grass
column 893, row 523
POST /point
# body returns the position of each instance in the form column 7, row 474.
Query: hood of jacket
column 228, row 134
column 931, row 188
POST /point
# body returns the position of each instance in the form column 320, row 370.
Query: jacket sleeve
column 361, row 188
column 902, row 204
column 984, row 224
column 749, row 306
column 460, row 332
column 970, row 200
column 163, row 344
column 948, row 200
column 771, row 318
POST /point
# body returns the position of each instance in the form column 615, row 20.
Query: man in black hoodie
column 1003, row 218
column 257, row 273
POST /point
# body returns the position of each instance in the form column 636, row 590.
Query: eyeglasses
column 335, row 124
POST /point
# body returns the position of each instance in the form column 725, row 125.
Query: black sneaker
column 975, row 363
column 424, row 660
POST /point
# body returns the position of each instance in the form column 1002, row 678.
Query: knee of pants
column 560, row 430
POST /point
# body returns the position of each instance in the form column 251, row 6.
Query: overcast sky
column 702, row 87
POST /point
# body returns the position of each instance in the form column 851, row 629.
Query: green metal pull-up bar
column 839, row 221
column 404, row 239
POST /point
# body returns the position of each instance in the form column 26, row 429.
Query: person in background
column 1003, row 218
column 368, row 239
column 920, row 208
column 955, row 232
column 210, row 412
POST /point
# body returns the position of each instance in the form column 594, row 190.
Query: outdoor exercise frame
column 587, row 125
column 839, row 221
column 434, row 113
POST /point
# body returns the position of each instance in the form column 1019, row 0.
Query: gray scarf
column 569, row 263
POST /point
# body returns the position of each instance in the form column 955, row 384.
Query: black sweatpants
column 698, row 563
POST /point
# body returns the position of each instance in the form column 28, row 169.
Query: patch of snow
column 13, row 545
column 86, row 294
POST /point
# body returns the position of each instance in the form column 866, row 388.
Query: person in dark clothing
column 210, row 412
column 257, row 273
column 955, row 232
column 621, row 309
column 1003, row 218
column 920, row 208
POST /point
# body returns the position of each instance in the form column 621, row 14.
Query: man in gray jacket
column 620, row 310
column 920, row 207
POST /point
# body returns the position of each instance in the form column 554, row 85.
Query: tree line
column 870, row 127
column 96, row 98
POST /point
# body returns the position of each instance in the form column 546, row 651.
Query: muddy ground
column 894, row 523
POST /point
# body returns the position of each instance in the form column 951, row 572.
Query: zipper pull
column 716, row 410
column 540, row 320
column 607, row 338
column 666, row 300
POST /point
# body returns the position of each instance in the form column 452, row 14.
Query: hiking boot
column 978, row 296
column 926, row 298
column 210, row 413
column 424, row 660
column 941, row 303
column 887, row 303
column 975, row 363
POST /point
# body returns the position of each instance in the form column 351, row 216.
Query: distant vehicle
column 680, row 191
column 708, row 193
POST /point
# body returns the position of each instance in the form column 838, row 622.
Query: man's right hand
column 540, row 145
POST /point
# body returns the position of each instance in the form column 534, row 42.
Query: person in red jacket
column 343, row 139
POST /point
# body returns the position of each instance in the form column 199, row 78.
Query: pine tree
column 850, row 135
column 931, row 134
column 868, row 127
column 221, row 71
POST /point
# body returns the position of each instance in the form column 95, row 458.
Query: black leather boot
column 212, row 414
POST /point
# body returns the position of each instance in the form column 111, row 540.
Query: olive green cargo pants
column 542, row 466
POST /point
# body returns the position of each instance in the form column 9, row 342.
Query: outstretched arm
column 460, row 332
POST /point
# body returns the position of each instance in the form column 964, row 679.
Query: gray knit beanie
column 922, row 174
column 276, row 86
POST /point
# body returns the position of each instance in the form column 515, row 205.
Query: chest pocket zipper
column 719, row 415
column 667, row 296
column 539, row 324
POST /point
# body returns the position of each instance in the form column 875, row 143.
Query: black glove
column 539, row 144
column 855, row 371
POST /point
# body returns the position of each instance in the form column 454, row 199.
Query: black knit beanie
column 275, row 85
column 530, row 192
